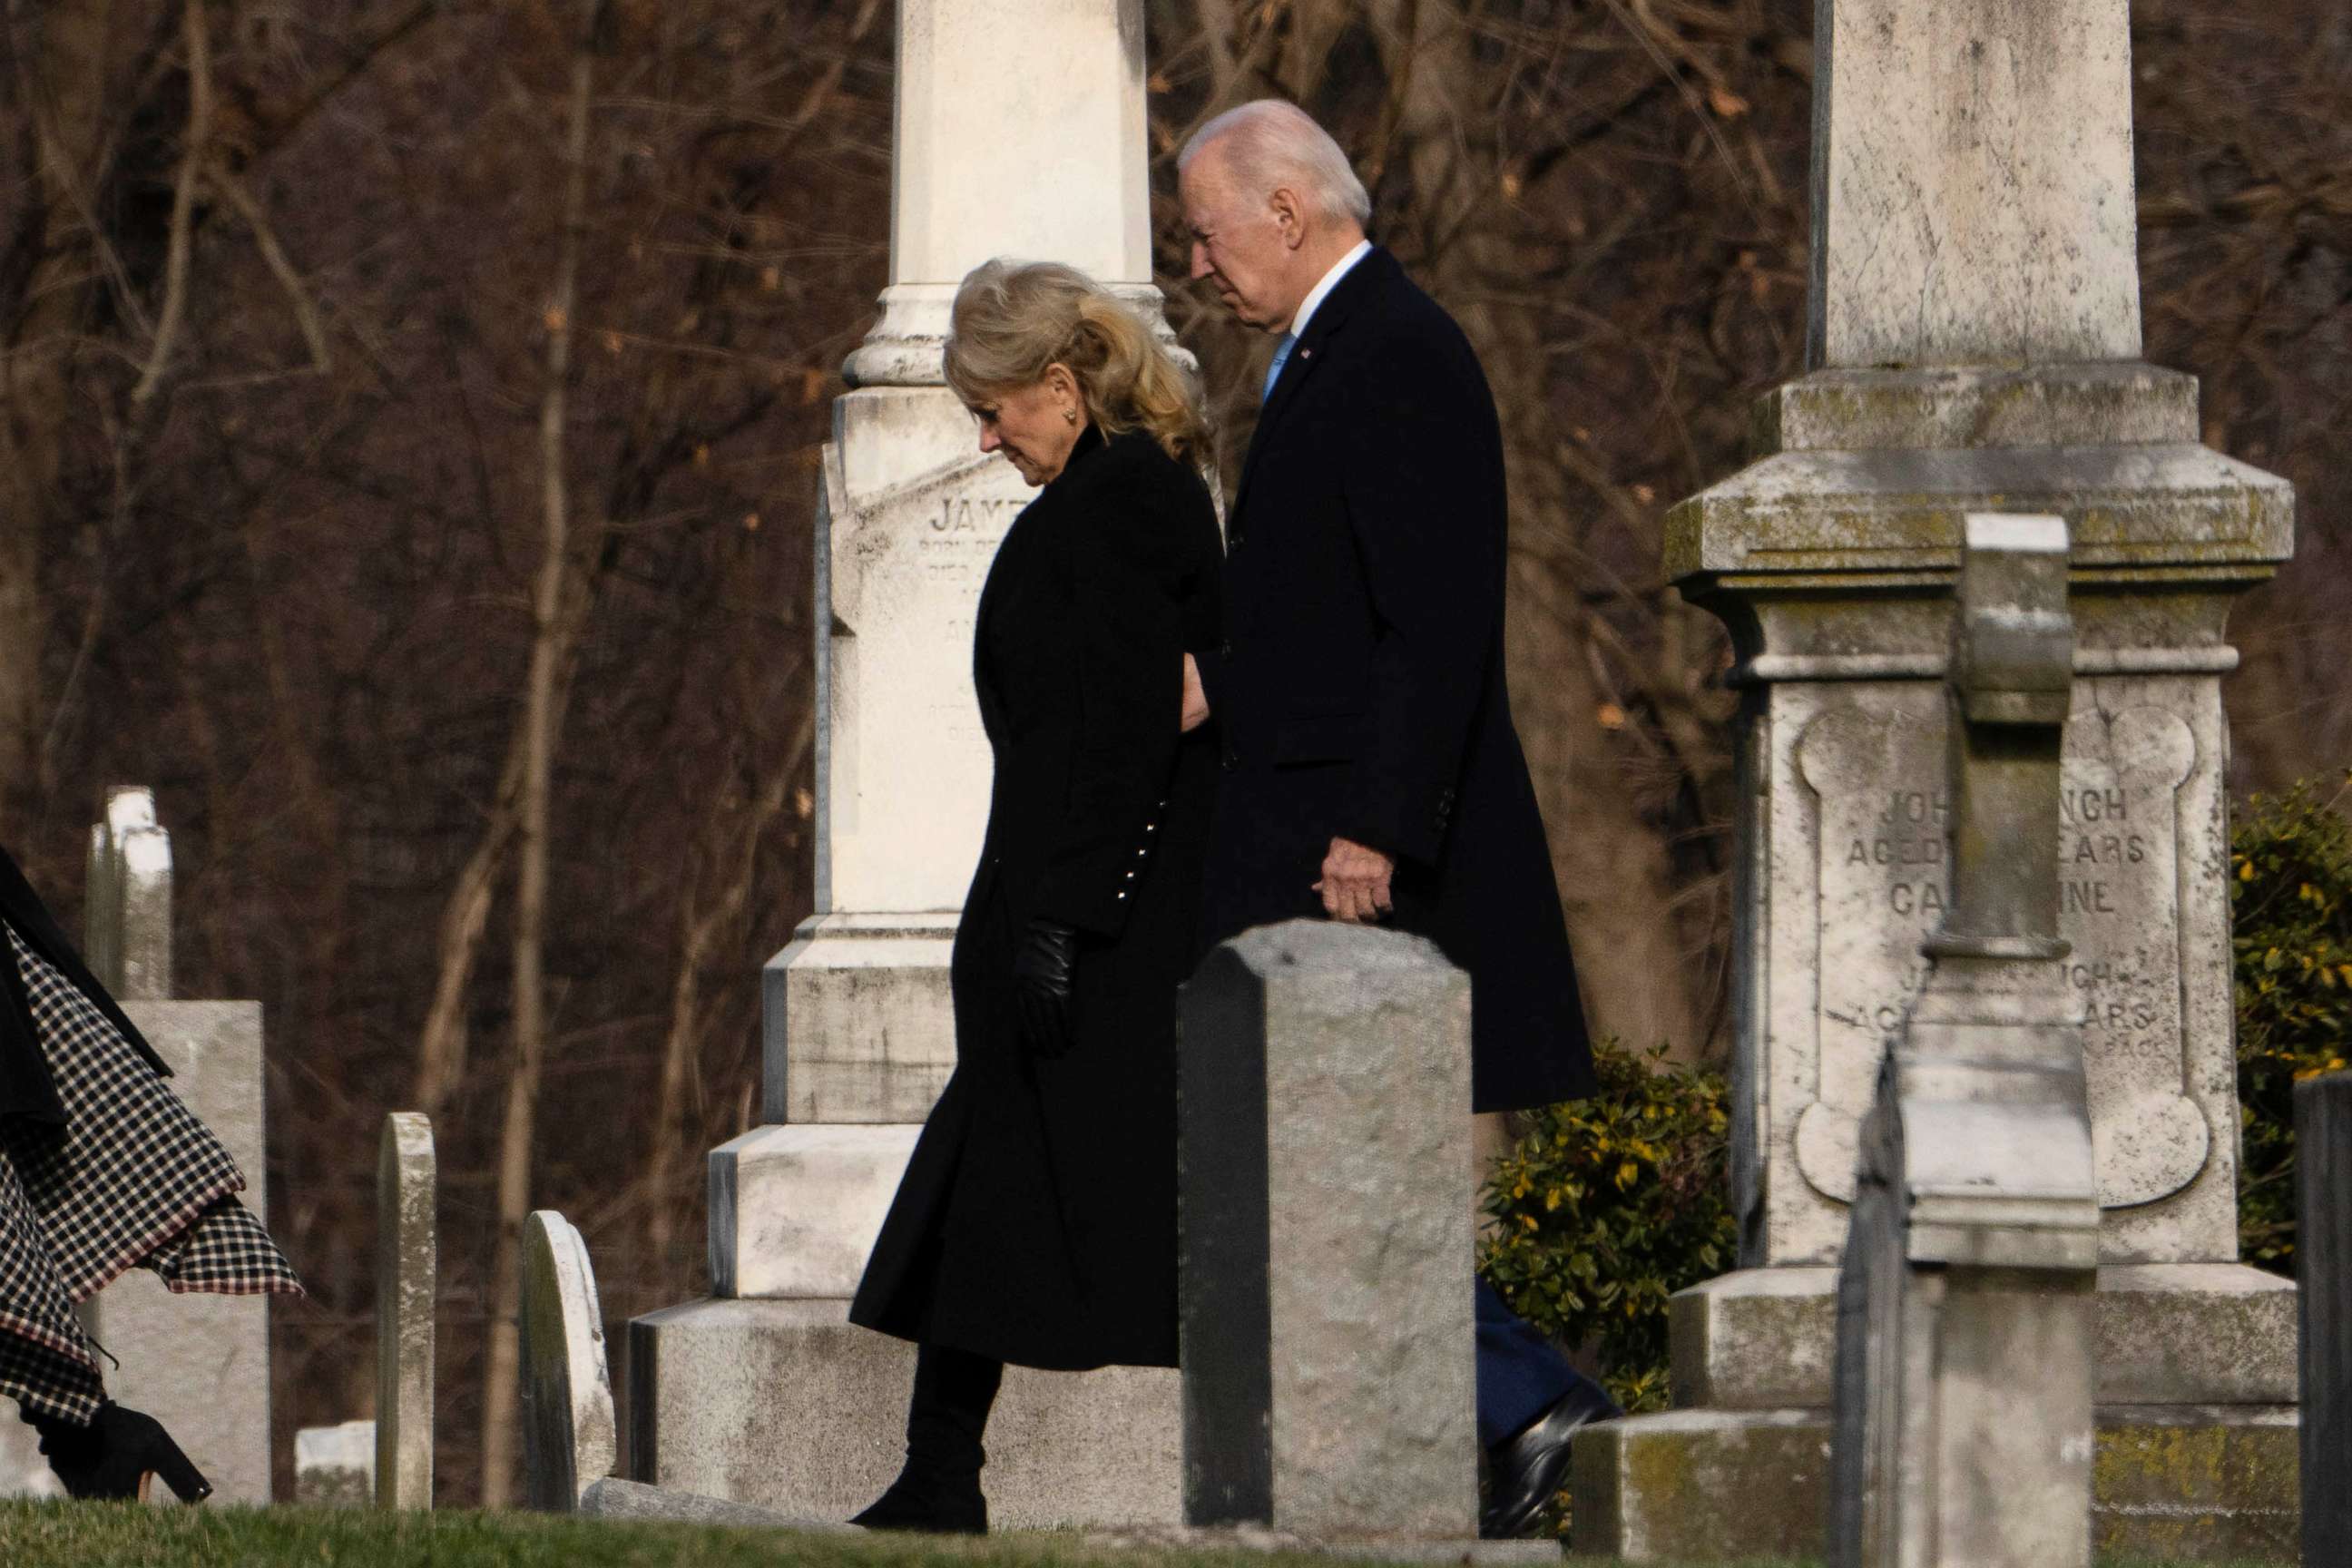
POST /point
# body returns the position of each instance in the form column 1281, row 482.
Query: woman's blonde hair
column 1012, row 320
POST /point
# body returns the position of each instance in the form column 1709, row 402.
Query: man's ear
column 1289, row 216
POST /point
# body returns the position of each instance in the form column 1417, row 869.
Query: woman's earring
column 1069, row 416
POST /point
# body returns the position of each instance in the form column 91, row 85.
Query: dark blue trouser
column 1520, row 1375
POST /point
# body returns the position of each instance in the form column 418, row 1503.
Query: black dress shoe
column 116, row 1454
column 1524, row 1471
column 928, row 1508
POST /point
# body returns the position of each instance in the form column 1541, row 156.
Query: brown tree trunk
column 1612, row 864
column 704, row 928
column 500, row 1391
column 69, row 68
column 441, row 1044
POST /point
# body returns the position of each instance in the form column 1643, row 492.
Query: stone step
column 786, row 1406
column 858, row 1019
column 2179, row 1483
column 794, row 1210
column 2169, row 1333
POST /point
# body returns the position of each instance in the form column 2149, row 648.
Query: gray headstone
column 197, row 1362
column 334, row 1466
column 2323, row 1145
column 1966, row 1329
column 127, row 918
column 407, row 1285
column 200, row 1362
column 568, row 1437
column 23, row 1471
column 1326, row 1190
column 1972, row 184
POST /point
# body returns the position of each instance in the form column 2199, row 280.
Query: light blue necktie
column 1281, row 357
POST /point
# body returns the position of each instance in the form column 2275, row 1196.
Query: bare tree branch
column 193, row 157
column 298, row 296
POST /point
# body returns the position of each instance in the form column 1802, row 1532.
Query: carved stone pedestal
column 1831, row 559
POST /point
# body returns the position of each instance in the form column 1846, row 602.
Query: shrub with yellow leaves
column 1608, row 1206
column 2291, row 896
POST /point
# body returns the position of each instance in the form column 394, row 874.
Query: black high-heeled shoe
column 116, row 1455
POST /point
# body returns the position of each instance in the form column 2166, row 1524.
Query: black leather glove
column 1043, row 965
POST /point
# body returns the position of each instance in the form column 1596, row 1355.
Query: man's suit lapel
column 1312, row 352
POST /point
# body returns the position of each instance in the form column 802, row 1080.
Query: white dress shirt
column 1331, row 281
column 1305, row 309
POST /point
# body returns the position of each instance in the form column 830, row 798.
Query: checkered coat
column 104, row 1171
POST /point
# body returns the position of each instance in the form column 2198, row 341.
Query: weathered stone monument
column 334, row 1466
column 570, row 1438
column 2323, row 1251
column 127, row 907
column 1975, row 338
column 1020, row 131
column 1327, row 1237
column 197, row 1362
column 408, row 1288
column 23, row 1472
column 1964, row 1356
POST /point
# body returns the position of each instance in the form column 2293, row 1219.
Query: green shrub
column 1608, row 1206
column 2291, row 891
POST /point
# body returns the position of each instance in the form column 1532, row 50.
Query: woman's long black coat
column 1036, row 1223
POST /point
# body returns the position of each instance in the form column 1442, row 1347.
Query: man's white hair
column 1269, row 143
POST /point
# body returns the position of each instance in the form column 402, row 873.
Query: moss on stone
column 2182, row 1492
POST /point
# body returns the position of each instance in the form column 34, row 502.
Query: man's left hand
column 1355, row 885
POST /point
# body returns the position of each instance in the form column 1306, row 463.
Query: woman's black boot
column 116, row 1454
column 938, row 1491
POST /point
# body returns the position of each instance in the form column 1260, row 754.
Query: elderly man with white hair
column 1371, row 771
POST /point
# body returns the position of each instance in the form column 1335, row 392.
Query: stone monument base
column 2181, row 1483
column 2169, row 1333
column 859, row 1023
column 794, row 1210
column 2197, row 1434
column 785, row 1405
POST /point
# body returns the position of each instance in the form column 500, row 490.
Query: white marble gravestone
column 571, row 1441
column 334, row 1466
column 407, row 1294
column 1974, row 316
column 1019, row 131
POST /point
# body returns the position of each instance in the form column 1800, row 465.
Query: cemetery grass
column 104, row 1535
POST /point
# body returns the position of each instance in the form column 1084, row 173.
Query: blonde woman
column 1036, row 1224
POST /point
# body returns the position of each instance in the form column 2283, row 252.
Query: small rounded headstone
column 567, row 1392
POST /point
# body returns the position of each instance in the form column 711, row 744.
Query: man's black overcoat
column 1038, row 1219
column 25, row 1087
column 1360, row 689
